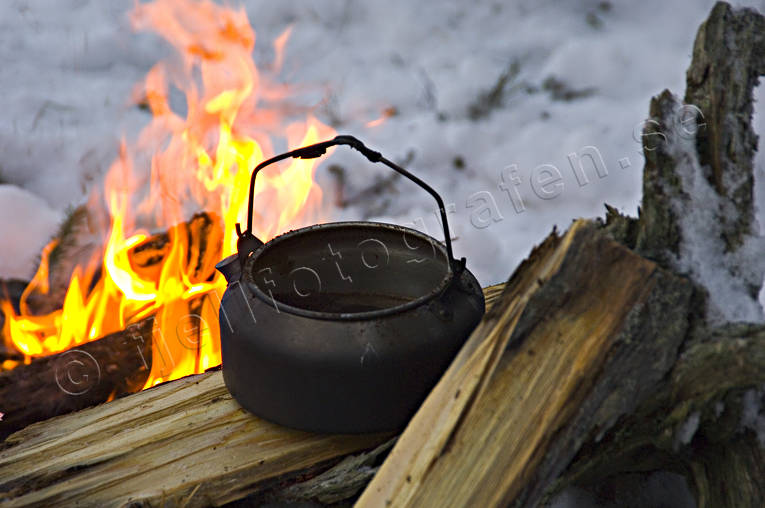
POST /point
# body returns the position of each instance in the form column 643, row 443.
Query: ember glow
column 196, row 161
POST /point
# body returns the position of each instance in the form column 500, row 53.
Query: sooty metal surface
column 343, row 327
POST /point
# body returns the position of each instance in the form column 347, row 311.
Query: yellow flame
column 203, row 159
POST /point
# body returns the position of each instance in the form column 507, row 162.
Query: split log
column 587, row 375
column 694, row 425
column 80, row 377
column 554, row 363
column 183, row 443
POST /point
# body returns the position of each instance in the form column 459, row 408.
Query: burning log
column 84, row 376
column 114, row 365
column 192, row 247
column 204, row 235
column 11, row 290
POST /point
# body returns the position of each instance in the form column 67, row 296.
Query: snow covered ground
column 577, row 79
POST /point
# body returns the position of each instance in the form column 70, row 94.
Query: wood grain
column 184, row 442
column 534, row 379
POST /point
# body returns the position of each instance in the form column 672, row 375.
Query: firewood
column 182, row 441
column 204, row 236
column 11, row 290
column 185, row 442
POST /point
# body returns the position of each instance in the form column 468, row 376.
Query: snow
column 69, row 67
column 28, row 223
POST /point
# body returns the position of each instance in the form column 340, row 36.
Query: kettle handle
column 319, row 149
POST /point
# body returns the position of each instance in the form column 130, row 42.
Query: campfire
column 196, row 161
column 613, row 357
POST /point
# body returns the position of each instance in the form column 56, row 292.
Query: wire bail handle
column 319, row 149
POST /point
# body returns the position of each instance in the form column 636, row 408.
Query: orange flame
column 198, row 161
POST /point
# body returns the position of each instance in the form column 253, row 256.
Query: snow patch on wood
column 753, row 412
column 732, row 278
column 688, row 429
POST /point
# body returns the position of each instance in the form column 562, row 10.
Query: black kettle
column 343, row 327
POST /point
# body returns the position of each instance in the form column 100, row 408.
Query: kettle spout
column 230, row 267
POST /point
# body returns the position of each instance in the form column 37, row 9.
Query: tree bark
column 692, row 425
column 698, row 181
